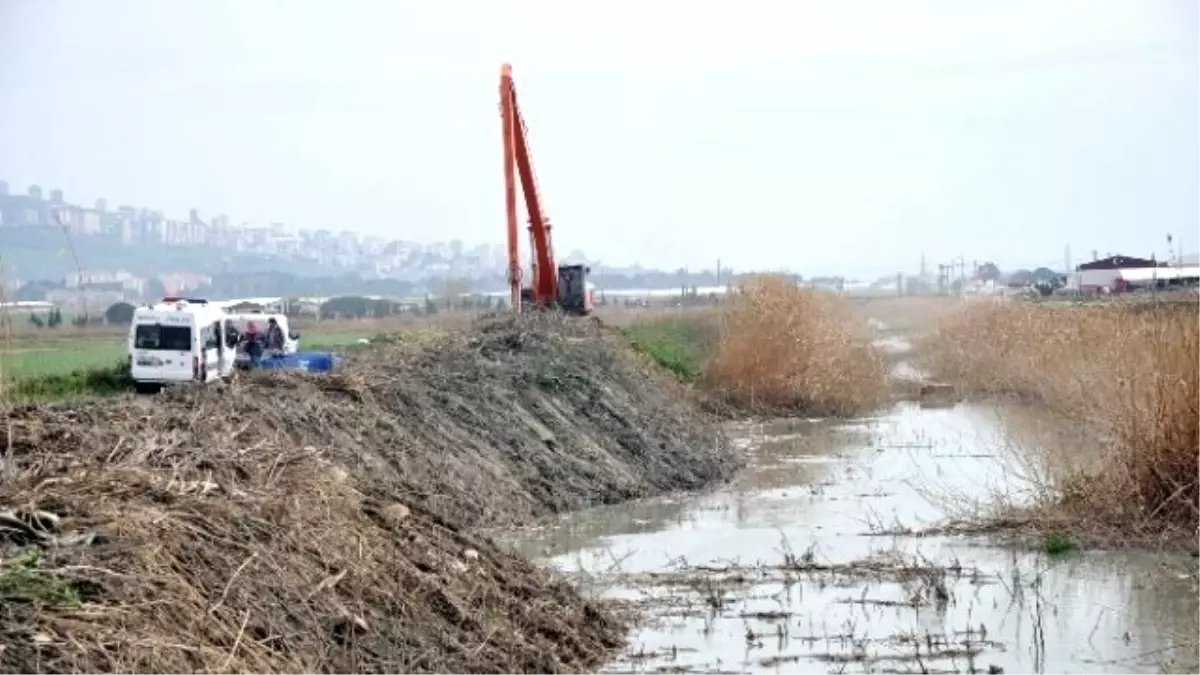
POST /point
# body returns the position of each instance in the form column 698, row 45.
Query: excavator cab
column 574, row 292
column 574, row 295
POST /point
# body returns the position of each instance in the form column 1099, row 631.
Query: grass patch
column 24, row 580
column 32, row 358
column 81, row 383
column 1128, row 373
column 1056, row 543
column 680, row 344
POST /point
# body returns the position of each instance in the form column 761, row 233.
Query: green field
column 32, row 356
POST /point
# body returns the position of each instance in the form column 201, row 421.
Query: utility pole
column 922, row 265
column 1154, row 279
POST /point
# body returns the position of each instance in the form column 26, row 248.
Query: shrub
column 785, row 347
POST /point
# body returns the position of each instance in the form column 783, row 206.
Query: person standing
column 254, row 344
column 275, row 337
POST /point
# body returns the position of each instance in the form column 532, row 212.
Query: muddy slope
column 326, row 524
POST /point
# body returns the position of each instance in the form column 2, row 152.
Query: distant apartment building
column 80, row 222
column 373, row 245
column 182, row 282
column 347, row 242
column 122, row 280
column 91, row 302
column 27, row 210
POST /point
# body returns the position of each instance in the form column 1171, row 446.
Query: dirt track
column 289, row 523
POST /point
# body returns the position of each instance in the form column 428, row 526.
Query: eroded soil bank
column 326, row 523
column 808, row 561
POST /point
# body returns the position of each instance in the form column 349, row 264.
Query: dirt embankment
column 291, row 523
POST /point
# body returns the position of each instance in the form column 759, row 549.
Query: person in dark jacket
column 275, row 337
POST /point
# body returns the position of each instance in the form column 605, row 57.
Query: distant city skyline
column 82, row 219
column 346, row 248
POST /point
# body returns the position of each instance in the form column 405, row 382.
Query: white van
column 179, row 340
column 240, row 321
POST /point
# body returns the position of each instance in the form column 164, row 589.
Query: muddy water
column 803, row 564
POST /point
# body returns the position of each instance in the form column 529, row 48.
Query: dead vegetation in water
column 801, row 613
column 1129, row 375
column 785, row 348
column 326, row 524
column 739, row 593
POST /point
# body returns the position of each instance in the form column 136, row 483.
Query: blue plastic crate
column 309, row 362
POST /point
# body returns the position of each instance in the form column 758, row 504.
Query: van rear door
column 162, row 352
column 210, row 343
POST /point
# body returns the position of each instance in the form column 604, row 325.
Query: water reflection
column 784, row 569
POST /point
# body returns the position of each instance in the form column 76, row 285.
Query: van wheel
column 147, row 387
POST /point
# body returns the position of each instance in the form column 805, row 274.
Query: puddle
column 787, row 570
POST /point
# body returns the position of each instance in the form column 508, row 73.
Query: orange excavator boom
column 516, row 156
column 510, row 188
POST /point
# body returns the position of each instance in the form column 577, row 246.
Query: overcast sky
column 846, row 135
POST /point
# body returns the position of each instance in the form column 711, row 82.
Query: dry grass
column 1129, row 373
column 783, row 348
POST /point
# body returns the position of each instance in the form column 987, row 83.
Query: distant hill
column 31, row 253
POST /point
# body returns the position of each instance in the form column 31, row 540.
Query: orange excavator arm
column 516, row 156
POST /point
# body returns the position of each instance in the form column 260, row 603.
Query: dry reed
column 784, row 347
column 1129, row 373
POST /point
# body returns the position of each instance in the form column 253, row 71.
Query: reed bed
column 782, row 347
column 1128, row 374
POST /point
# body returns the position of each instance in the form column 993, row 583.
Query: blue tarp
column 311, row 362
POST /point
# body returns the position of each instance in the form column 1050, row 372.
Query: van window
column 164, row 338
column 208, row 336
